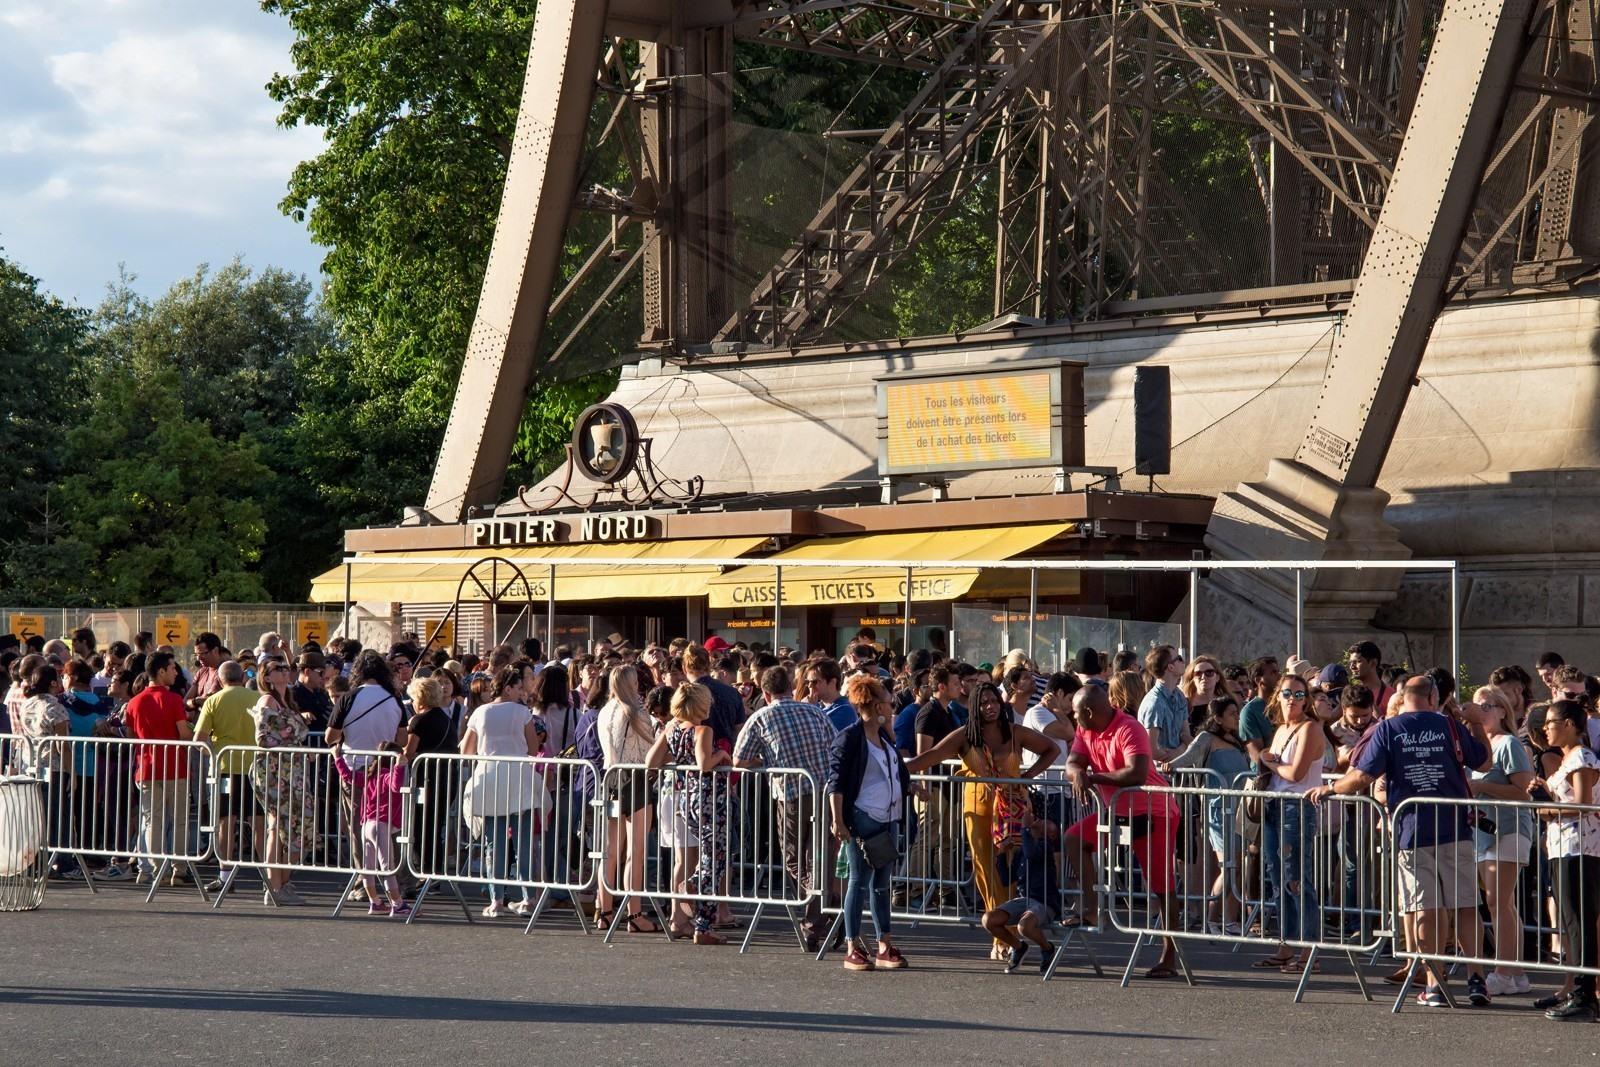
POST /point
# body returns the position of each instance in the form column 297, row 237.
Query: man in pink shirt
column 1111, row 753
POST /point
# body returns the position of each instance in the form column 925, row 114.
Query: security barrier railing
column 511, row 825
column 1272, row 857
column 1197, row 863
column 749, row 836
column 283, row 810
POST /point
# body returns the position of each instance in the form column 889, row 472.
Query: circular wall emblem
column 605, row 442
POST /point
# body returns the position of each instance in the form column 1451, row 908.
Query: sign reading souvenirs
column 537, row 530
column 1022, row 414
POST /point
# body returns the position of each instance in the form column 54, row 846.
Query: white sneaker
column 1499, row 985
column 1232, row 930
column 1523, row 985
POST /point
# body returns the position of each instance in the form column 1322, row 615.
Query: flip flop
column 1272, row 964
column 1296, row 967
column 1071, row 921
column 1160, row 971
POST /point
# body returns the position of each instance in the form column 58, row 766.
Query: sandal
column 682, row 933
column 1297, row 967
column 1273, row 963
column 708, row 938
column 640, row 917
column 602, row 919
column 1071, row 921
column 1161, row 970
column 731, row 924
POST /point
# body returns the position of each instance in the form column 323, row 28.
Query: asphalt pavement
column 106, row 978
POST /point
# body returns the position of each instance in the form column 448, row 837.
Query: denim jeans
column 865, row 880
column 1290, row 833
column 518, row 827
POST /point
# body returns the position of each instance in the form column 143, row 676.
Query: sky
column 139, row 132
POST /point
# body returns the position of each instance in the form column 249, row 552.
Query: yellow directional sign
column 173, row 631
column 445, row 638
column 307, row 631
column 26, row 626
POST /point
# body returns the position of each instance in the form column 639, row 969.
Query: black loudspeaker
column 1152, row 420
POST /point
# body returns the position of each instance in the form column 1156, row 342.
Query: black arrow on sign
column 27, row 633
column 172, row 636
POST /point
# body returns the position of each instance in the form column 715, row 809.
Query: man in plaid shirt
column 787, row 733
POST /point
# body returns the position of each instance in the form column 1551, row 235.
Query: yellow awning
column 756, row 586
column 404, row 578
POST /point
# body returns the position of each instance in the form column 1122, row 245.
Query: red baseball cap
column 716, row 644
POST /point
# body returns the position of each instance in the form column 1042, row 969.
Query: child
column 379, row 786
column 1038, row 893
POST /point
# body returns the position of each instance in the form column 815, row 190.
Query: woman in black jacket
column 867, row 785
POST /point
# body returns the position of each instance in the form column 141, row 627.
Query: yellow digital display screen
column 969, row 423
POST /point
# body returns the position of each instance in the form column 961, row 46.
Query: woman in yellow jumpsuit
column 990, row 746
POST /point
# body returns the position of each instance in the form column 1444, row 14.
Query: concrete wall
column 1496, row 462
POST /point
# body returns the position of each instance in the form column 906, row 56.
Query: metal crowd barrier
column 282, row 810
column 128, row 799
column 1273, row 859
column 506, row 823
column 1500, row 855
column 748, row 836
column 949, row 818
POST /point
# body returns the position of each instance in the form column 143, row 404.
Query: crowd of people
column 1000, row 758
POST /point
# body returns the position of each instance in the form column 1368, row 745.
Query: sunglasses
column 1293, row 694
column 1206, row 673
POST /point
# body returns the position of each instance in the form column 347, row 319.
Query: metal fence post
column 1299, row 613
column 777, row 610
column 1194, row 610
column 1033, row 604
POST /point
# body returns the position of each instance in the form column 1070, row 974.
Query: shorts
column 628, row 795
column 237, row 799
column 1153, row 848
column 1438, row 876
column 1017, row 907
column 1506, row 848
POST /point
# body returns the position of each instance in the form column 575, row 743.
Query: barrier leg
column 1305, row 976
column 155, row 883
column 799, row 933
column 538, row 909
column 455, row 887
column 1361, row 979
column 1183, row 961
column 1405, row 988
column 621, row 908
column 750, row 930
column 344, row 894
column 228, row 877
column 88, row 879
column 422, row 896
column 199, row 883
column 833, row 932
column 1133, row 958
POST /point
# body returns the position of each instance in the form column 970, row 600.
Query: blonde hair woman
column 702, row 798
column 1503, row 850
column 627, row 734
column 1126, row 691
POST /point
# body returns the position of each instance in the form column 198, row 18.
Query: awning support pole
column 1033, row 604
column 345, row 626
column 905, row 639
column 550, row 616
column 1455, row 620
column 777, row 611
column 1299, row 613
column 1194, row 610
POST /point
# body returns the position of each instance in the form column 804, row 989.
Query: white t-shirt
column 880, row 784
column 374, row 717
column 1037, row 718
column 1577, row 834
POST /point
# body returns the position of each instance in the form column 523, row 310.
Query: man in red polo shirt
column 162, row 771
column 1111, row 753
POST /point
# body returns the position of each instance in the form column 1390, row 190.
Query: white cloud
column 142, row 128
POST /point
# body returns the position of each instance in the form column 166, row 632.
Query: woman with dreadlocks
column 990, row 747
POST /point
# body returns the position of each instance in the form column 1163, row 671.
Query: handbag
column 880, row 849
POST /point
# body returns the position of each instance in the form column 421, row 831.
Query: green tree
column 43, row 342
column 418, row 100
column 155, row 506
column 239, row 344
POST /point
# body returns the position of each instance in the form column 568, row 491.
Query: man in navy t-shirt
column 1423, row 757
